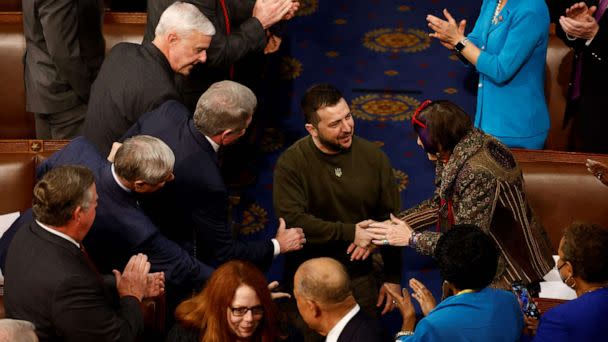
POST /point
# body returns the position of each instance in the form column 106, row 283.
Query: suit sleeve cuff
column 277, row 248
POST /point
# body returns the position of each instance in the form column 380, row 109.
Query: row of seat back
column 15, row 122
column 560, row 190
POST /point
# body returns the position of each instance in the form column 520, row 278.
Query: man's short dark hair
column 446, row 125
column 586, row 248
column 467, row 257
column 60, row 191
column 316, row 97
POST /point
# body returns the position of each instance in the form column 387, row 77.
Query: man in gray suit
column 63, row 53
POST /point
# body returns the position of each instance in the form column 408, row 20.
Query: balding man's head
column 323, row 294
column 324, row 280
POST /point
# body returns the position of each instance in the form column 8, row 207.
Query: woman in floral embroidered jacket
column 478, row 182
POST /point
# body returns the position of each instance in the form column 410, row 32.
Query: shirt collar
column 118, row 180
column 335, row 332
column 215, row 145
column 58, row 233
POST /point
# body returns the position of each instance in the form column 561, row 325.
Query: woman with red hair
column 235, row 305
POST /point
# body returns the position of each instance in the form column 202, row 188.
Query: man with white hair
column 194, row 208
column 143, row 164
column 16, row 330
column 135, row 79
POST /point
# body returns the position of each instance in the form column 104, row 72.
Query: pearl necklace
column 496, row 12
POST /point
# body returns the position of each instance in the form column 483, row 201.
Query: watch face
column 458, row 47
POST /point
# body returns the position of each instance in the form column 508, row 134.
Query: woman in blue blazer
column 583, row 265
column 508, row 47
column 472, row 312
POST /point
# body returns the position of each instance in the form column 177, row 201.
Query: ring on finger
column 385, row 242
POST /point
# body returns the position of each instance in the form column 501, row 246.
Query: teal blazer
column 487, row 315
column 511, row 66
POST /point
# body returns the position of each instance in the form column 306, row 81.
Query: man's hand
column 133, row 280
column 359, row 253
column 404, row 304
column 395, row 233
column 276, row 295
column 579, row 21
column 295, row 6
column 269, row 12
column 155, row 284
column 291, row 239
column 362, row 238
column 115, row 147
column 273, row 44
column 579, row 11
column 423, row 296
column 599, row 170
column 384, row 297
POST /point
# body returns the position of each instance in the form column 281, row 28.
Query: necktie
column 227, row 21
column 601, row 7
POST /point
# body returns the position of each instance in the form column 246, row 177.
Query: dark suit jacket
column 242, row 48
column 133, row 80
column 362, row 328
column 49, row 282
column 121, row 228
column 589, row 108
column 195, row 204
column 63, row 54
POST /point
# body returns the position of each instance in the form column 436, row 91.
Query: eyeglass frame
column 256, row 311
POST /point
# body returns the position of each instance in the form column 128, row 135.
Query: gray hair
column 324, row 280
column 145, row 158
column 14, row 330
column 183, row 18
column 225, row 105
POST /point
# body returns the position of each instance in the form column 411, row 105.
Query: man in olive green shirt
column 330, row 183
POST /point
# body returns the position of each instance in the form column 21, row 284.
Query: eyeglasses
column 257, row 310
column 562, row 265
column 417, row 112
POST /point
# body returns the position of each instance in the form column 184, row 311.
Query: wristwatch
column 461, row 44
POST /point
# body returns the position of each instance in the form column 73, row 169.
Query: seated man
column 323, row 294
column 50, row 280
column 143, row 164
column 135, row 79
column 194, row 208
column 328, row 183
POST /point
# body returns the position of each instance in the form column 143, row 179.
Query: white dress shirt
column 335, row 332
column 58, row 233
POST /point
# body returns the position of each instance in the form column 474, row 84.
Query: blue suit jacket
column 193, row 209
column 121, row 229
column 511, row 66
column 581, row 319
column 487, row 315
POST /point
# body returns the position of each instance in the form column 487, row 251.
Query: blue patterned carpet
column 374, row 45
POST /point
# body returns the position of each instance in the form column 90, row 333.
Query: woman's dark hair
column 441, row 125
column 316, row 97
column 586, row 248
column 467, row 257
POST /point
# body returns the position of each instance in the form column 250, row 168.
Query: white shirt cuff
column 277, row 247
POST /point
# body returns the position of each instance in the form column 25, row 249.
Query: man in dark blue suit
column 322, row 290
column 194, row 208
column 143, row 164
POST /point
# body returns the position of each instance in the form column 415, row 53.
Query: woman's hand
column 404, row 304
column 423, row 296
column 599, row 170
column 447, row 31
column 276, row 295
column 394, row 233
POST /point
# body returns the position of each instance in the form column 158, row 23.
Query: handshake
column 369, row 234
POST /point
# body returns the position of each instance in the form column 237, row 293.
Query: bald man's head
column 323, row 280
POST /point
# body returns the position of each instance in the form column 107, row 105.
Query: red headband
column 417, row 112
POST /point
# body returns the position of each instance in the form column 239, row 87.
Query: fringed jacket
column 481, row 184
